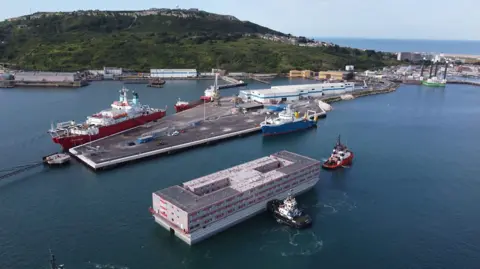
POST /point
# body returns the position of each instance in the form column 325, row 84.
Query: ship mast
column 53, row 262
column 124, row 91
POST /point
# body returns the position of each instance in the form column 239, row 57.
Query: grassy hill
column 162, row 38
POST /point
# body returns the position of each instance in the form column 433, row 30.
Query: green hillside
column 140, row 40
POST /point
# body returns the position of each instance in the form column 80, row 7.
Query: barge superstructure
column 202, row 207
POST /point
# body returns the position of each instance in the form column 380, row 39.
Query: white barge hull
column 236, row 218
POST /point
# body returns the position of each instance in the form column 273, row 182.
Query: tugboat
column 156, row 83
column 53, row 262
column 288, row 213
column 56, row 159
column 341, row 156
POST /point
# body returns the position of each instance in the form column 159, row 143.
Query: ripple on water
column 105, row 266
column 333, row 202
column 291, row 242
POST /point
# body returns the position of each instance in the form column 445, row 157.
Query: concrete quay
column 220, row 124
column 43, row 84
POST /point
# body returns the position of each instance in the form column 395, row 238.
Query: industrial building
column 173, row 73
column 410, row 56
column 112, row 71
column 47, row 77
column 295, row 92
column 334, row 75
column 301, row 74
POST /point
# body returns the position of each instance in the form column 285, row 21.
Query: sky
column 399, row 19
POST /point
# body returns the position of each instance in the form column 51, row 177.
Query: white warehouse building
column 296, row 92
column 173, row 73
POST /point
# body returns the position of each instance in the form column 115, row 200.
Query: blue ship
column 289, row 121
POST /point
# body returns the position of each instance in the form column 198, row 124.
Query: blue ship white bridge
column 295, row 92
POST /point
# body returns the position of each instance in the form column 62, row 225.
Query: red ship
column 183, row 105
column 210, row 93
column 341, row 156
column 123, row 115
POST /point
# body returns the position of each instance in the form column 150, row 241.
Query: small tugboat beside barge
column 288, row 213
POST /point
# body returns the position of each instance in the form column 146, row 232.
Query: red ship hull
column 345, row 162
column 183, row 107
column 68, row 142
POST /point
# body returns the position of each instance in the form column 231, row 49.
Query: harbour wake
column 334, row 202
column 296, row 243
column 105, row 266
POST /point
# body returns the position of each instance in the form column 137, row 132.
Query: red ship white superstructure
column 183, row 105
column 340, row 157
column 209, row 94
column 123, row 114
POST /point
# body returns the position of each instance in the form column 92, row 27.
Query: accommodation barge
column 200, row 208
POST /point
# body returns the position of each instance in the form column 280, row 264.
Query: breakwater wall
column 464, row 82
column 361, row 93
column 50, row 84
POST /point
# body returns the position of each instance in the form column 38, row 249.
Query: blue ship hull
column 268, row 130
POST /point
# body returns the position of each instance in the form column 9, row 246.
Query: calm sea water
column 409, row 201
column 397, row 45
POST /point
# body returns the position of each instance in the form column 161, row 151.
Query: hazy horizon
column 324, row 18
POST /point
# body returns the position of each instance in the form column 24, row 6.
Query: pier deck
column 220, row 124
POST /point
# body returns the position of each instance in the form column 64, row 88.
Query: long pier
column 418, row 82
column 201, row 125
column 253, row 77
column 465, row 82
column 232, row 83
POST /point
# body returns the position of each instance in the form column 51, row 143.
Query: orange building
column 301, row 74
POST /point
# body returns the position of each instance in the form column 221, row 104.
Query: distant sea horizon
column 471, row 47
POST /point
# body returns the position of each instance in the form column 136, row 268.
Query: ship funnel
column 120, row 99
column 135, row 98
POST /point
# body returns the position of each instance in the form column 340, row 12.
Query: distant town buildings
column 293, row 40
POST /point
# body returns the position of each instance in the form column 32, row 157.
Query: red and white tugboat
column 124, row 114
column 183, row 105
column 341, row 156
